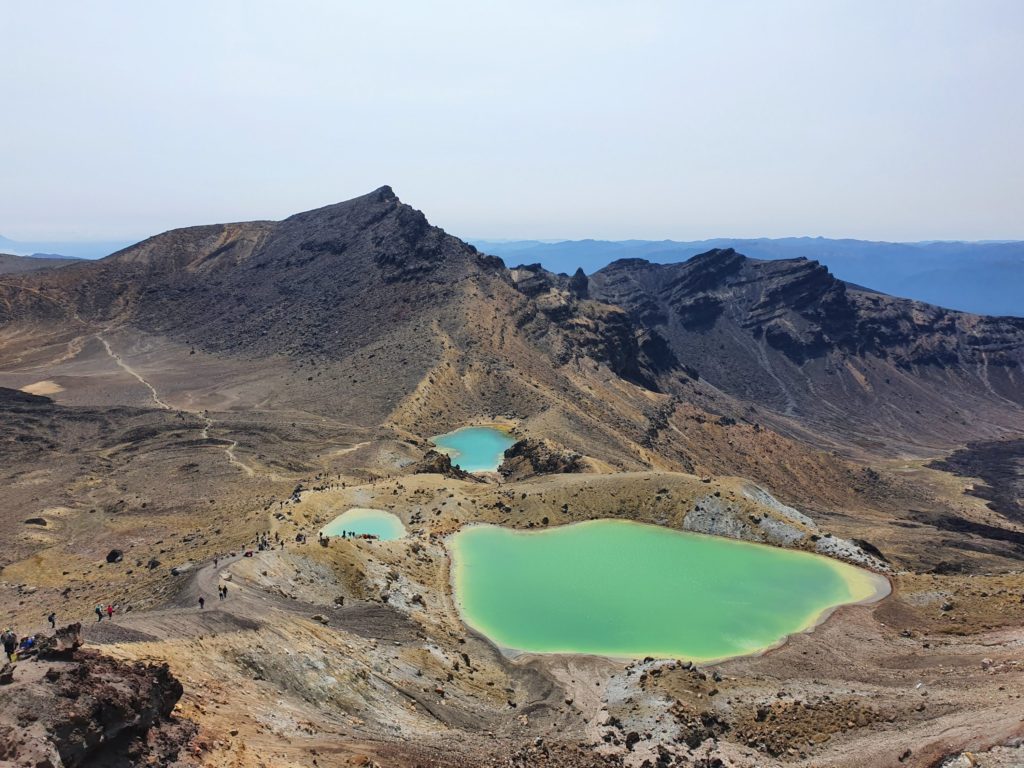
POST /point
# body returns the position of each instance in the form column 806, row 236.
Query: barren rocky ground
column 179, row 425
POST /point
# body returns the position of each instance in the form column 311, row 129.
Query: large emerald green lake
column 475, row 449
column 624, row 589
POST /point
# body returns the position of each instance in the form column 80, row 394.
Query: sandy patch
column 47, row 387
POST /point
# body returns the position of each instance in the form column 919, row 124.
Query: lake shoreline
column 878, row 586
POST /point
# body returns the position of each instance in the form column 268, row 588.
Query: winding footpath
column 229, row 449
column 132, row 372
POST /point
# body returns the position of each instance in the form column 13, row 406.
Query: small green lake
column 624, row 589
column 359, row 521
column 475, row 449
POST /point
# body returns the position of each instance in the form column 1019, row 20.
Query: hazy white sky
column 675, row 119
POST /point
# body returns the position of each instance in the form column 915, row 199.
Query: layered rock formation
column 788, row 336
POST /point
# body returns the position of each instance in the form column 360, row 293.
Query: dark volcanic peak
column 378, row 227
column 382, row 195
column 270, row 285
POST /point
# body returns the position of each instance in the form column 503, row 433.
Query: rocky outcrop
column 436, row 463
column 800, row 309
column 89, row 709
column 61, row 645
column 531, row 456
column 573, row 327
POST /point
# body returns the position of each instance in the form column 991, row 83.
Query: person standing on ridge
column 202, row 602
column 52, row 618
column 99, row 613
column 110, row 611
column 10, row 641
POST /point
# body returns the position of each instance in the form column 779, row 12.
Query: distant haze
column 867, row 119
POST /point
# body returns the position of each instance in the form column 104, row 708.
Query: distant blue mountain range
column 982, row 277
column 88, row 249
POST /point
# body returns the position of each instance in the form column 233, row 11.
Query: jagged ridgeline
column 842, row 359
column 409, row 322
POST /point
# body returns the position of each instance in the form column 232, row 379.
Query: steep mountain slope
column 365, row 313
column 786, row 335
column 361, row 311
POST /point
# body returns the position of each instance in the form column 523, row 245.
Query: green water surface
column 625, row 589
column 358, row 520
column 475, row 449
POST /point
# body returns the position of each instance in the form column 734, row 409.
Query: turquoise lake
column 359, row 520
column 475, row 449
column 624, row 589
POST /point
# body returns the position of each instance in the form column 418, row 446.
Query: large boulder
column 115, row 556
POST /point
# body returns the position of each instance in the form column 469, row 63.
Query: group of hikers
column 12, row 647
column 15, row 648
column 263, row 541
column 353, row 535
column 222, row 594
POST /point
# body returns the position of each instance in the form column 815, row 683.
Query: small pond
column 358, row 521
column 475, row 449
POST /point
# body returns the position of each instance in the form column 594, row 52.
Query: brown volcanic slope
column 860, row 367
column 216, row 382
column 357, row 305
column 362, row 316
